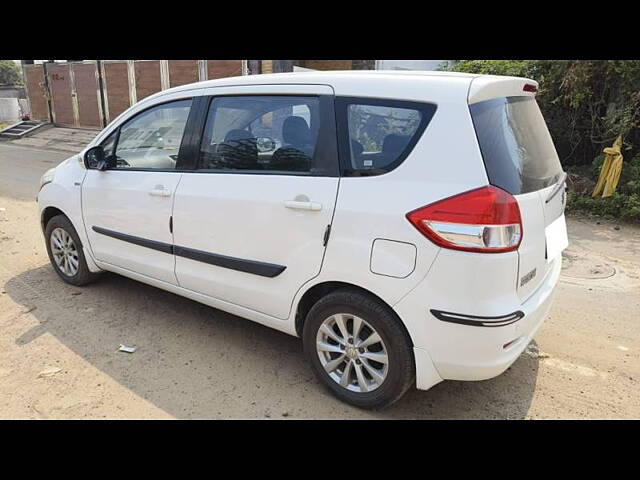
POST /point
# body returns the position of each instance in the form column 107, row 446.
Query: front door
column 251, row 223
column 127, row 209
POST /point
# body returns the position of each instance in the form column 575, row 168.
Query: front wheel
column 65, row 252
column 358, row 349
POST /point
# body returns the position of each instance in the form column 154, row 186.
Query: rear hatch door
column 521, row 159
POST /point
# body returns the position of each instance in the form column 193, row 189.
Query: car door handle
column 303, row 205
column 160, row 191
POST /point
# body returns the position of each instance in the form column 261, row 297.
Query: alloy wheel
column 352, row 353
column 64, row 252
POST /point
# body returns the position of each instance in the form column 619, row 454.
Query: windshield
column 518, row 152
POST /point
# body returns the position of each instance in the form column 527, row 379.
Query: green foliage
column 586, row 104
column 630, row 177
column 10, row 73
column 514, row 68
column 623, row 204
column 596, row 166
column 626, row 207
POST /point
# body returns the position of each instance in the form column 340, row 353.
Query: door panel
column 245, row 217
column 249, row 227
column 60, row 85
column 86, row 84
column 124, row 202
column 182, row 72
column 223, row 68
column 34, row 75
column 148, row 81
column 116, row 85
column 532, row 264
column 544, row 237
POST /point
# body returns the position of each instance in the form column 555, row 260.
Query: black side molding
column 143, row 242
column 477, row 321
column 249, row 266
column 255, row 267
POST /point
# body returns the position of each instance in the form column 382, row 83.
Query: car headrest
column 394, row 143
column 295, row 131
column 237, row 134
column 356, row 147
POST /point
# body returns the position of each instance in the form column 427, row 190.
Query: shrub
column 586, row 104
column 619, row 206
column 10, row 73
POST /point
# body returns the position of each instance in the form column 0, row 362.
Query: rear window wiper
column 558, row 187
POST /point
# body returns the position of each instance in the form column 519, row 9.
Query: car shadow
column 193, row 361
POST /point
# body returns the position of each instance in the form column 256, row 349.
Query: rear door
column 250, row 222
column 520, row 158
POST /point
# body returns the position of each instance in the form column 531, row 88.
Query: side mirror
column 94, row 158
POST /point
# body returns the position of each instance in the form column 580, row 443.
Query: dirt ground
column 59, row 344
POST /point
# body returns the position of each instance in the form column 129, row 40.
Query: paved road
column 21, row 169
column 59, row 358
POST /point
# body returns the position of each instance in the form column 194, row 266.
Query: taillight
column 530, row 87
column 485, row 220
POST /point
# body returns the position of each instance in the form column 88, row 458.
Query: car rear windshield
column 518, row 152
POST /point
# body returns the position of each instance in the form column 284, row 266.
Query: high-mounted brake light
column 530, row 87
column 484, row 220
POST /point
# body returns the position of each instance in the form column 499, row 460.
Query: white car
column 407, row 225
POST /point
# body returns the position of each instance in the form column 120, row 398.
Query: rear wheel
column 358, row 349
column 65, row 252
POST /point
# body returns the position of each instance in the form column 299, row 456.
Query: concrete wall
column 12, row 91
column 409, row 64
column 9, row 110
column 84, row 94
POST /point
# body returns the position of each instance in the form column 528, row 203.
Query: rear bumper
column 487, row 357
column 478, row 346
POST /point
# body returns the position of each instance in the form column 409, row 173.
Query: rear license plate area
column 556, row 238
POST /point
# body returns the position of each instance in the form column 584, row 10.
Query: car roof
column 413, row 85
column 318, row 77
column 416, row 85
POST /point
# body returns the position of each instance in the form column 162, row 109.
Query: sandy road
column 59, row 358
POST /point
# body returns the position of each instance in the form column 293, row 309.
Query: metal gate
column 36, row 87
column 147, row 78
column 115, row 88
column 182, row 72
column 62, row 105
column 223, row 68
column 75, row 94
column 91, row 94
column 86, row 85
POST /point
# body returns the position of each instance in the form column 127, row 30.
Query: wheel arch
column 48, row 213
column 319, row 290
column 51, row 211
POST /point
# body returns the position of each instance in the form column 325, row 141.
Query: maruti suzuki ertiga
column 407, row 225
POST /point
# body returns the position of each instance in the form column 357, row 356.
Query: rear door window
column 516, row 146
column 268, row 134
column 377, row 135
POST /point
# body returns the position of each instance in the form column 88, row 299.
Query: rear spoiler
column 486, row 87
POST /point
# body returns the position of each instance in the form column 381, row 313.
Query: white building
column 410, row 64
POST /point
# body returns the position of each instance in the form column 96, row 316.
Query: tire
column 352, row 306
column 75, row 274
